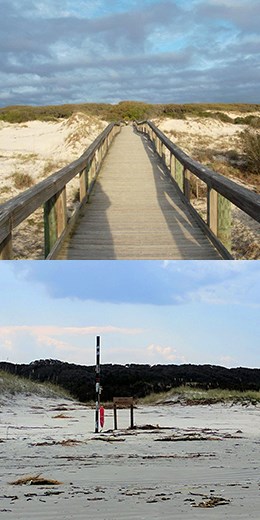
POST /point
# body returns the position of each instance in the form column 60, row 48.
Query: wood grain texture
column 135, row 211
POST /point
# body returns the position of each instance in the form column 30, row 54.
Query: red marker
column 102, row 416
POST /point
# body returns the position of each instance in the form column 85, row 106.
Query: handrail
column 221, row 191
column 51, row 193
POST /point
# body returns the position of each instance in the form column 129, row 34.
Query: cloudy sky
column 145, row 311
column 67, row 51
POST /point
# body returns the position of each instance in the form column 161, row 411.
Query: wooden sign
column 123, row 401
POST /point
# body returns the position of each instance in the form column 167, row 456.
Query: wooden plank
column 136, row 211
column 123, row 401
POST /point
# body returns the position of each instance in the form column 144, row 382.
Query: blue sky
column 146, row 312
column 172, row 51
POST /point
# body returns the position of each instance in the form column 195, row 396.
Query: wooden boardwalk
column 135, row 211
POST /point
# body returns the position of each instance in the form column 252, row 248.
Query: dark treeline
column 134, row 380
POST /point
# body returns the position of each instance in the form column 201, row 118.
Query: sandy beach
column 179, row 461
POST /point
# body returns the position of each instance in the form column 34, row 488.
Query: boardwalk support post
column 224, row 221
column 55, row 219
column 179, row 174
column 219, row 217
column 83, row 184
column 6, row 250
column 173, row 166
column 186, row 184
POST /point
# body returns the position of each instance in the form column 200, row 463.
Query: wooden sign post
column 123, row 402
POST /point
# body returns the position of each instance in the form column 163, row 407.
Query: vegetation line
column 194, row 395
column 131, row 110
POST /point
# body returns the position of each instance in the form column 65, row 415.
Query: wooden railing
column 51, row 194
column 221, row 192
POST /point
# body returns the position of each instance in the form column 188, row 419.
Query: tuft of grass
column 22, row 180
column 191, row 395
column 33, row 480
column 26, row 157
column 251, row 148
column 49, row 168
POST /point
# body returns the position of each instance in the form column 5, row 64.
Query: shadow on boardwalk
column 188, row 239
column 91, row 238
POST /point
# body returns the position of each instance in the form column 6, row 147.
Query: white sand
column 135, row 475
column 40, row 148
column 195, row 133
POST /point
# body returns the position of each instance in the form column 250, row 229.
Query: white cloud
column 159, row 352
column 67, row 331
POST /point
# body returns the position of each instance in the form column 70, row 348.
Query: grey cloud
column 132, row 27
column 71, row 59
column 244, row 15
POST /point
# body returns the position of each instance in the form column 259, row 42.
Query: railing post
column 163, row 155
column 173, row 166
column 179, row 174
column 55, row 219
column 159, row 147
column 92, row 170
column 186, row 184
column 212, row 210
column 6, row 249
column 224, row 221
column 83, row 183
column 219, row 217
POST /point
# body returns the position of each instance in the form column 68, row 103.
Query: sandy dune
column 40, row 148
column 210, row 461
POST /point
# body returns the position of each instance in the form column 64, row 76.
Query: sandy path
column 136, row 474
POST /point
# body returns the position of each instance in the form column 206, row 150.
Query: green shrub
column 251, row 148
column 128, row 110
column 253, row 121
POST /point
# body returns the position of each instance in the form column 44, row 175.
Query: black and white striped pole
column 98, row 387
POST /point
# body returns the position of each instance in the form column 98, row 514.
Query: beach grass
column 11, row 385
column 190, row 395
